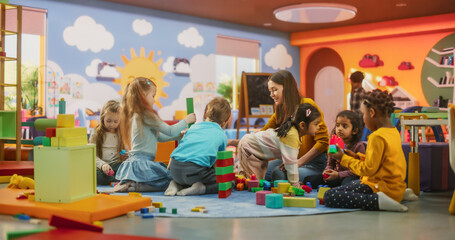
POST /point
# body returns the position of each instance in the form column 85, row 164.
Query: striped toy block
column 65, row 120
column 225, row 177
column 224, row 162
column 224, row 155
column 71, row 132
column 260, row 197
column 224, row 186
column 224, row 170
column 224, row 194
column 299, row 202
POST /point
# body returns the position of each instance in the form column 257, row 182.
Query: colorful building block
column 224, row 194
column 275, row 183
column 225, row 177
column 299, row 202
column 50, row 132
column 148, row 215
column 157, row 204
column 322, row 191
column 70, row 132
column 253, row 184
column 274, row 200
column 240, row 187
column 61, row 222
column 23, row 233
column 65, row 121
column 162, row 209
column 256, row 189
column 224, row 170
column 46, row 141
column 260, row 197
column 71, row 168
column 224, row 162
column 224, row 155
column 224, row 186
column 174, row 211
column 283, row 187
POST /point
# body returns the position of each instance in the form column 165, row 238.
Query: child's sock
column 409, row 195
column 143, row 187
column 122, row 187
column 388, row 204
column 173, row 188
column 195, row 189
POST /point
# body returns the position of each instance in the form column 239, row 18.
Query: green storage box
column 7, row 124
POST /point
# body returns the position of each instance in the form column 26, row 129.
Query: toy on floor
column 333, row 142
column 20, row 182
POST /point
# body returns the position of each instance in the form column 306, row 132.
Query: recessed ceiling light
column 315, row 13
column 267, row 24
column 401, row 4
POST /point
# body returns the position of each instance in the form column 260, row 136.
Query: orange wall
column 393, row 41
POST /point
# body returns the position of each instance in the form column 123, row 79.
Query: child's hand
column 106, row 168
column 338, row 155
column 282, row 168
column 351, row 154
column 191, row 118
column 332, row 175
column 233, row 142
column 182, row 133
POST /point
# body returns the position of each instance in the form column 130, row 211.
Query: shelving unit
column 10, row 121
column 439, row 65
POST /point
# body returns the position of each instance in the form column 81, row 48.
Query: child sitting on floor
column 382, row 168
column 255, row 149
column 192, row 161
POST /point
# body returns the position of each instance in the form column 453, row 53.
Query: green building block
column 23, row 233
column 174, row 211
column 162, row 209
column 189, row 108
column 332, row 149
column 224, row 186
column 224, row 155
column 46, row 141
column 297, row 191
column 224, row 170
column 256, row 189
column 274, row 200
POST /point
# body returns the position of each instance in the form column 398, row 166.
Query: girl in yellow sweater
column 382, row 168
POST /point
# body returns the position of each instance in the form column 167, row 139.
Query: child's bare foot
column 122, row 187
column 172, row 189
column 409, row 195
column 195, row 189
column 388, row 204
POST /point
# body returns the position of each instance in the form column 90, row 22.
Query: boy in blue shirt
column 192, row 161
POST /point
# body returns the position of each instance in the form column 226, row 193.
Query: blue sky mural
column 95, row 47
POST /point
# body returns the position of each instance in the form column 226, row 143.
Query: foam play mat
column 241, row 204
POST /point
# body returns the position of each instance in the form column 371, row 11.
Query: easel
column 244, row 106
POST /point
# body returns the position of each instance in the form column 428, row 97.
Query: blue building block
column 274, row 200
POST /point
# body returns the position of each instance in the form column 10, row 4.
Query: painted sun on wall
column 142, row 66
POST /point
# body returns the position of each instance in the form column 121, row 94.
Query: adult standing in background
column 357, row 90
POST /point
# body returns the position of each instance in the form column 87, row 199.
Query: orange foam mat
column 80, row 234
column 96, row 208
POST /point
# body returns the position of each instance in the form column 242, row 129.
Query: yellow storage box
column 64, row 174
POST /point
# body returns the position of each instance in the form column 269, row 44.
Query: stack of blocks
column 65, row 165
column 224, row 170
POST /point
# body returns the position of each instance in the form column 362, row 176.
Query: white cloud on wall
column 142, row 27
column 86, row 34
column 92, row 69
column 109, row 72
column 168, row 66
column 278, row 58
column 168, row 112
column 190, row 38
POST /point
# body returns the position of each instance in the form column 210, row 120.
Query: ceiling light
column 401, row 4
column 315, row 13
column 267, row 24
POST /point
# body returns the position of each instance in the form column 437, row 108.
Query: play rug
column 241, row 204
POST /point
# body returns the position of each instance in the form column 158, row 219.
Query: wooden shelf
column 437, row 64
column 444, row 52
column 8, row 85
column 8, row 32
column 434, row 82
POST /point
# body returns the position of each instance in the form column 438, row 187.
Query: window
column 234, row 56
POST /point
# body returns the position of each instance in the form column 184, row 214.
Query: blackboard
column 254, row 92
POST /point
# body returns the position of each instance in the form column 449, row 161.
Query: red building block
column 225, row 178
column 224, row 194
column 224, row 162
column 51, row 132
column 61, row 222
column 252, row 184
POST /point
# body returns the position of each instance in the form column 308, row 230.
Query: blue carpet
column 238, row 205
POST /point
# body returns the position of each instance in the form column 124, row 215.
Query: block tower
column 65, row 165
column 224, row 170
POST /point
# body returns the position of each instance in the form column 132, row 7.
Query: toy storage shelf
column 10, row 121
column 442, row 65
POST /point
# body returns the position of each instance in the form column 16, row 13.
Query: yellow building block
column 65, row 120
column 71, row 132
column 322, row 191
column 299, row 202
column 134, row 194
column 157, row 204
column 72, row 141
column 283, row 187
column 64, row 174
